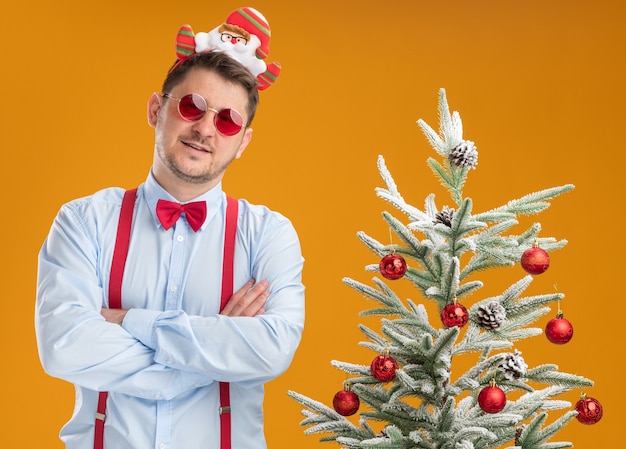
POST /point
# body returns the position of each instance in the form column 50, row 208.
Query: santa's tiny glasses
column 227, row 37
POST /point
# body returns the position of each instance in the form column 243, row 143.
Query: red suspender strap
column 115, row 293
column 228, row 268
column 229, row 250
column 98, row 437
column 121, row 249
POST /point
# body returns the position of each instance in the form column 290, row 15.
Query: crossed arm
column 249, row 301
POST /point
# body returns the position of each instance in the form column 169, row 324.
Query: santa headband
column 244, row 36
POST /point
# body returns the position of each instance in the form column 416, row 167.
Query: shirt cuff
column 140, row 324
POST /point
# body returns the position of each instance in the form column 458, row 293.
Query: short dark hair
column 224, row 66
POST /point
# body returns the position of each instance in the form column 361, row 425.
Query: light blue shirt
column 162, row 367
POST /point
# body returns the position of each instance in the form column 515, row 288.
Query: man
column 166, row 353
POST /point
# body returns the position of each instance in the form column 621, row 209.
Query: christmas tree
column 406, row 397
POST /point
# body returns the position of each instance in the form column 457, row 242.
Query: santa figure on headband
column 244, row 36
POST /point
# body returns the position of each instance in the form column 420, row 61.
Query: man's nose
column 206, row 125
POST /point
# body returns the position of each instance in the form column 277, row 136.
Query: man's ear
column 154, row 106
column 245, row 140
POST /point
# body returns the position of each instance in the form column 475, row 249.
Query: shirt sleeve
column 245, row 350
column 75, row 342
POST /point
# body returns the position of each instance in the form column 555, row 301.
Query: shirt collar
column 153, row 192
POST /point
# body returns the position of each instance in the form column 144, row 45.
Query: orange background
column 541, row 90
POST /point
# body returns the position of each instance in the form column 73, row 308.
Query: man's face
column 195, row 153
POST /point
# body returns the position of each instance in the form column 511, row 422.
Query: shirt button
column 162, row 446
column 180, row 238
column 173, row 288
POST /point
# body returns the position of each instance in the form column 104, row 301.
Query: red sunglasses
column 192, row 107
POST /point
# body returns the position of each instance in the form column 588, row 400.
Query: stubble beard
column 211, row 174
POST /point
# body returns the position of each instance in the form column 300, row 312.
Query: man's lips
column 196, row 146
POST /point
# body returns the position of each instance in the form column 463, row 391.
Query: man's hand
column 115, row 316
column 248, row 300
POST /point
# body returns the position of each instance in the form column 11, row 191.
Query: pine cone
column 491, row 316
column 464, row 155
column 518, row 434
column 445, row 216
column 514, row 366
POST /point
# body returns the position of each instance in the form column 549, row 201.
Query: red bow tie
column 169, row 212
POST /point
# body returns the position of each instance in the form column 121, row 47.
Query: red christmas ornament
column 559, row 330
column 589, row 410
column 454, row 314
column 535, row 260
column 392, row 266
column 346, row 402
column 491, row 399
column 384, row 368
